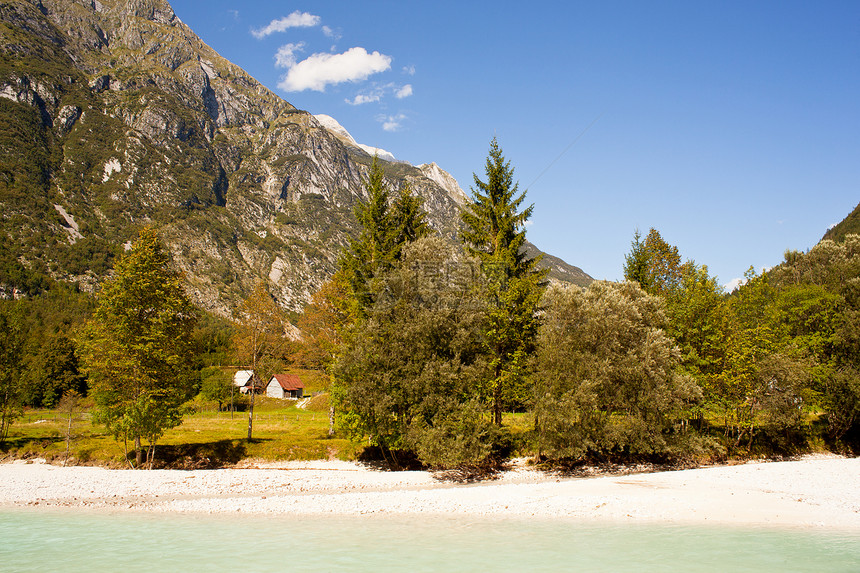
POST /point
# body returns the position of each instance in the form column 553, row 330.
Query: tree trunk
column 125, row 449
column 251, row 413
column 138, row 452
column 68, row 439
column 331, row 420
column 497, row 399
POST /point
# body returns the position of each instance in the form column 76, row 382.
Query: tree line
column 432, row 344
column 461, row 353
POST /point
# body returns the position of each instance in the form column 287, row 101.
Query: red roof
column 288, row 381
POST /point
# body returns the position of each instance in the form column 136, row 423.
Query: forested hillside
column 850, row 225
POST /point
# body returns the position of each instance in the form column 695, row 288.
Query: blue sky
column 731, row 127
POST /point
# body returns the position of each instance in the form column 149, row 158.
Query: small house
column 245, row 379
column 285, row 386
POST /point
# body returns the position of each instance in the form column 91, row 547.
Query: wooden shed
column 285, row 386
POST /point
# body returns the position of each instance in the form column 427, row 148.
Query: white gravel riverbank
column 817, row 491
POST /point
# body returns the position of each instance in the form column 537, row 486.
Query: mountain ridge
column 119, row 116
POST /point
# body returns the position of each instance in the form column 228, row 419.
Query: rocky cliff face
column 118, row 116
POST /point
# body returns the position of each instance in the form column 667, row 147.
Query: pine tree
column 137, row 347
column 494, row 229
column 372, row 252
column 410, row 218
column 494, row 232
column 636, row 262
column 386, row 226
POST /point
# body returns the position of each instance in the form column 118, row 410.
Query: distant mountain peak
column 345, row 137
column 445, row 180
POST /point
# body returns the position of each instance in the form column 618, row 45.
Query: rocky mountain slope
column 116, row 115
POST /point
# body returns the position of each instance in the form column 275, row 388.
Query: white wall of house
column 241, row 377
column 274, row 390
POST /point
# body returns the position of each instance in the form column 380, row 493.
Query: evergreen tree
column 137, row 348
column 636, row 262
column 410, row 218
column 386, row 226
column 494, row 228
column 373, row 251
column 494, row 233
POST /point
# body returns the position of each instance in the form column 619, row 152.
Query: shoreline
column 819, row 491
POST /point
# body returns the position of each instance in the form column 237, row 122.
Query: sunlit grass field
column 281, row 431
column 206, row 438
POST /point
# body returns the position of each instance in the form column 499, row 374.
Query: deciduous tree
column 216, row 385
column 260, row 340
column 11, row 364
column 137, row 347
column 408, row 373
column 607, row 377
column 322, row 323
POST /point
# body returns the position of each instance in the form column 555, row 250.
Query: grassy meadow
column 206, row 438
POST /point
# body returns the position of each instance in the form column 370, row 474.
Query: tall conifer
column 386, row 225
column 494, row 232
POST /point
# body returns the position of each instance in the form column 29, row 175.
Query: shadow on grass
column 383, row 459
column 206, row 455
column 17, row 443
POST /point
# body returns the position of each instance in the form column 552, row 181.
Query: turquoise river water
column 128, row 542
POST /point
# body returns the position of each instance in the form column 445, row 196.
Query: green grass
column 281, row 431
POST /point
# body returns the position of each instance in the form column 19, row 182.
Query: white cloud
column 403, row 92
column 391, row 122
column 286, row 55
column 295, row 20
column 320, row 70
column 409, row 70
column 734, row 283
column 378, row 92
column 329, row 33
column 365, row 98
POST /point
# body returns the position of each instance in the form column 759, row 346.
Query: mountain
column 848, row 226
column 116, row 115
column 341, row 133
